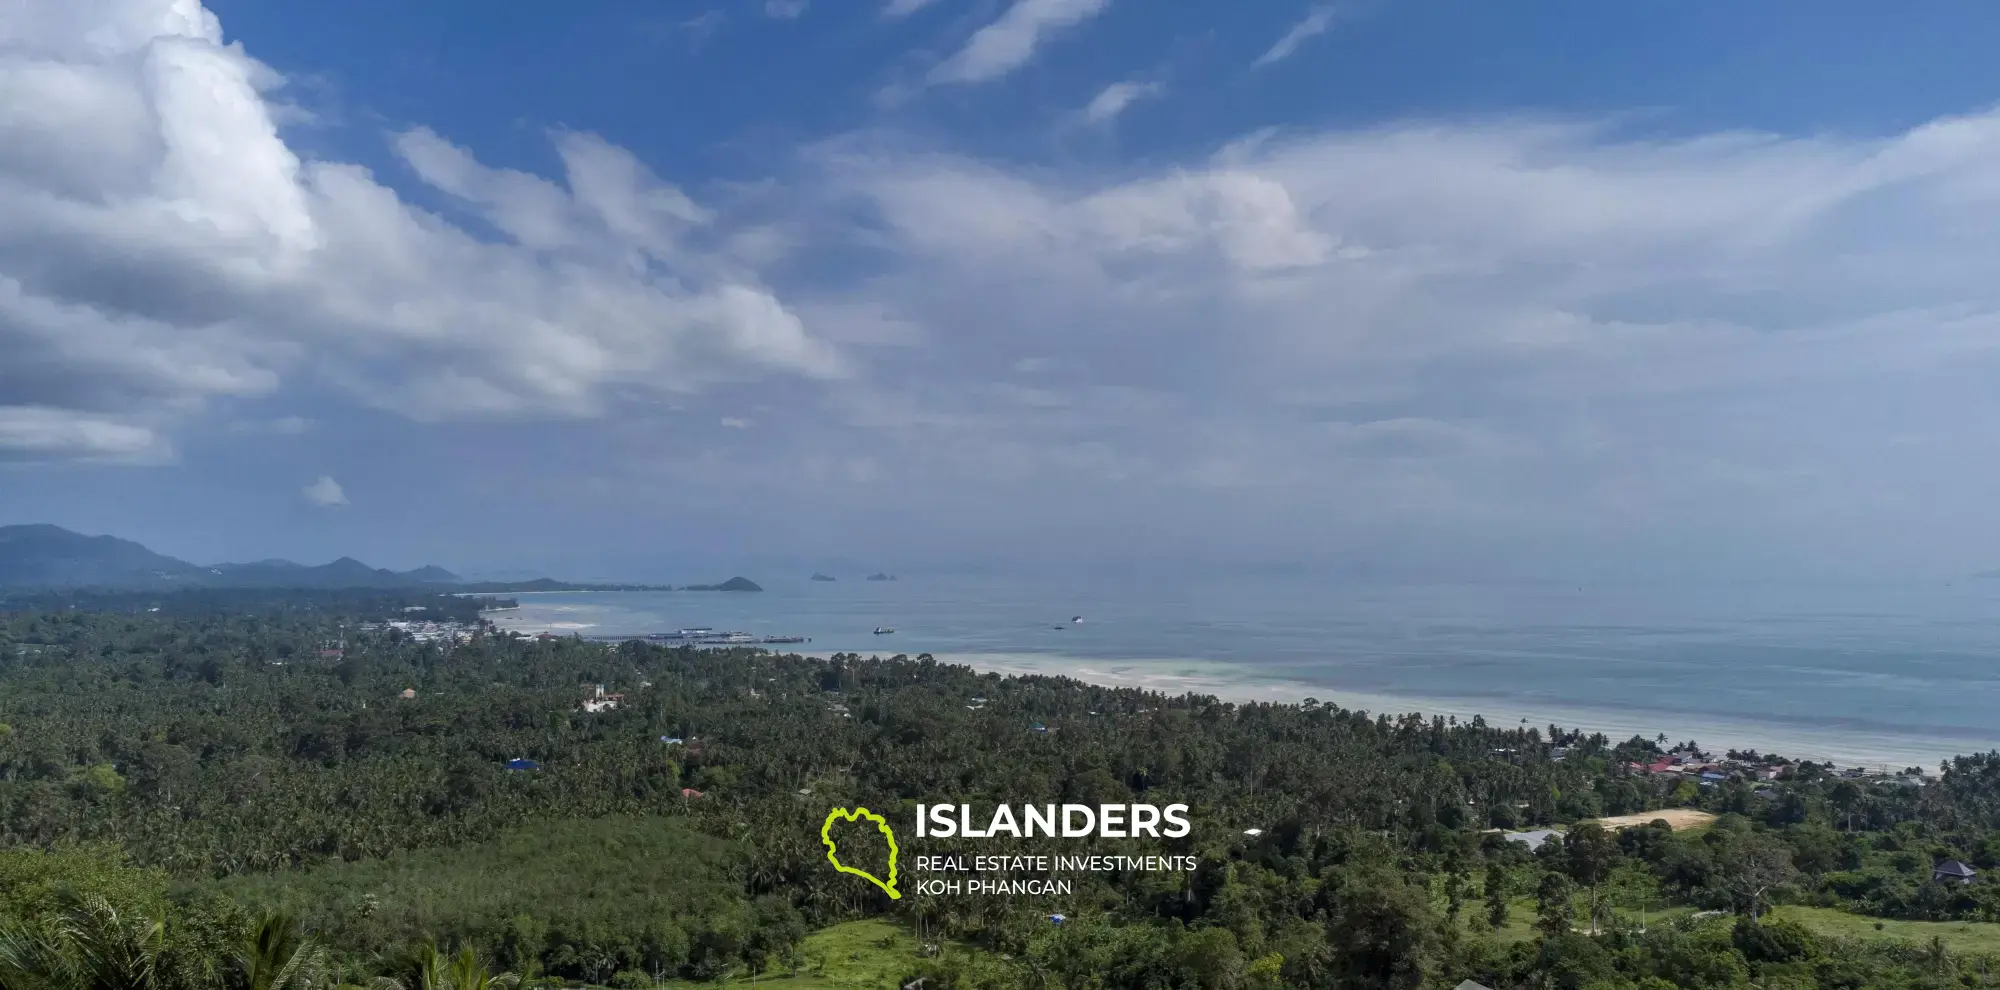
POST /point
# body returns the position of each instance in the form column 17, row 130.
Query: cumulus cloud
column 162, row 248
column 1315, row 23
column 1547, row 328
column 1011, row 41
column 1113, row 100
column 40, row 432
column 324, row 493
column 1530, row 320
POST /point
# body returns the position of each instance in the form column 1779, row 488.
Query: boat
column 883, row 630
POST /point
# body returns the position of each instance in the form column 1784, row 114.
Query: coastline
column 1846, row 748
column 1847, row 745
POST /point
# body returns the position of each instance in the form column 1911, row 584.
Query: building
column 523, row 764
column 1469, row 985
column 599, row 701
column 1534, row 839
column 409, row 693
column 1557, row 753
column 1953, row 871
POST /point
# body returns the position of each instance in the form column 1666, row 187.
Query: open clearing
column 1676, row 818
column 1958, row 936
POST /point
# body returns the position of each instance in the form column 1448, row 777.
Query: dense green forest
column 251, row 792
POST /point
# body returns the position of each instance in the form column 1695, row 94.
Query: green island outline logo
column 832, row 855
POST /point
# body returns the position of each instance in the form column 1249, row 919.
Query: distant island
column 41, row 557
column 822, row 577
column 733, row 584
column 881, row 577
column 550, row 584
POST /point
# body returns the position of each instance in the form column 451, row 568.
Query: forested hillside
column 225, row 768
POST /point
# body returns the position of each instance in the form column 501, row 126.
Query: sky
column 646, row 290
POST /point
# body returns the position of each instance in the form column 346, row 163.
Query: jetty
column 710, row 637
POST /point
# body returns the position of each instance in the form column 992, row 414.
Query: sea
column 1880, row 677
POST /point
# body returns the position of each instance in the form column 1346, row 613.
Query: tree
column 1552, row 902
column 90, row 945
column 1751, row 867
column 1588, row 853
column 1385, row 936
column 278, row 955
column 1496, row 895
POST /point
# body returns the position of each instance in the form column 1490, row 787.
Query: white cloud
column 161, row 247
column 1514, row 323
column 735, row 423
column 1107, row 105
column 785, row 10
column 1411, row 332
column 1315, row 23
column 1010, row 42
column 904, row 8
column 325, row 493
column 40, row 432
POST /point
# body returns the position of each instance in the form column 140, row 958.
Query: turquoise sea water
column 1863, row 675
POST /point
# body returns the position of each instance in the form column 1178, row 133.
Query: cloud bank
column 162, row 247
column 1517, row 336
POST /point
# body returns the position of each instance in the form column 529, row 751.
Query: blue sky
column 647, row 290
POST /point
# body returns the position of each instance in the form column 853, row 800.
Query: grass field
column 1959, row 936
column 857, row 955
column 1520, row 926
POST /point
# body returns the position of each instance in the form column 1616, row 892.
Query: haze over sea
column 1880, row 676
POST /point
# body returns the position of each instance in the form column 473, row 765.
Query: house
column 690, row 793
column 601, row 702
column 1557, row 753
column 408, row 693
column 1713, row 776
column 523, row 764
column 1768, row 773
column 1038, row 727
column 1253, row 832
column 672, row 740
column 1534, row 839
column 1469, row 985
column 1953, row 871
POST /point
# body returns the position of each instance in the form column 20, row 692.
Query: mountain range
column 41, row 557
column 44, row 556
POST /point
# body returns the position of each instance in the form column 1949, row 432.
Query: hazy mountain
column 50, row 556
column 43, row 555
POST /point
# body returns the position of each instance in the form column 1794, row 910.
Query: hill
column 45, row 556
column 50, row 556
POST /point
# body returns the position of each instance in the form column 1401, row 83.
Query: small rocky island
column 733, row 584
column 822, row 577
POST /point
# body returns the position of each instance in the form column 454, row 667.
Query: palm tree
column 89, row 946
column 423, row 966
column 279, row 955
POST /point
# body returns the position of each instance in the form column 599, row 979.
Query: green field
column 1959, row 936
column 857, row 955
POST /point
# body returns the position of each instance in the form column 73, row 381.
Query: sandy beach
column 1844, row 745
column 1874, row 751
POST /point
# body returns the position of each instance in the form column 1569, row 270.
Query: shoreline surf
column 1873, row 747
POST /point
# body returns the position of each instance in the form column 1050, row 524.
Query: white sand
column 1175, row 677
